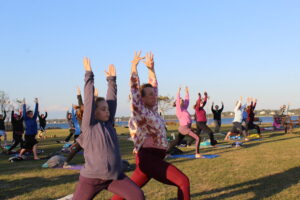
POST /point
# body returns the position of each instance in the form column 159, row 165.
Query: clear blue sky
column 228, row 48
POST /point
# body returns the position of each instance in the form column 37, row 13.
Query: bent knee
column 183, row 181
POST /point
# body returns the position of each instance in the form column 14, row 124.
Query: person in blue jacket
column 31, row 130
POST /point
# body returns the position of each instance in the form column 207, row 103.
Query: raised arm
column 149, row 62
column 205, row 100
column 4, row 115
column 198, row 102
column 67, row 114
column 136, row 102
column 254, row 104
column 24, row 110
column 243, row 106
column 178, row 108
column 111, row 95
column 221, row 110
column 89, row 103
column 46, row 115
column 238, row 104
column 79, row 97
column 187, row 98
column 36, row 109
column 12, row 115
column 212, row 107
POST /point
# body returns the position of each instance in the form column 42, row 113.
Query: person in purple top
column 185, row 122
column 102, row 168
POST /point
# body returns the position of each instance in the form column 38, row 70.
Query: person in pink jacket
column 185, row 122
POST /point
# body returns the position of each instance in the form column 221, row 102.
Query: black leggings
column 74, row 150
column 178, row 138
column 17, row 140
column 72, row 131
column 251, row 125
column 201, row 126
column 182, row 132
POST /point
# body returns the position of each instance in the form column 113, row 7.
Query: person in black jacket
column 43, row 122
column 18, row 130
column 217, row 116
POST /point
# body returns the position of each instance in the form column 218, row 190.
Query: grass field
column 267, row 169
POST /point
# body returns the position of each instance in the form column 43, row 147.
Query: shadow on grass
column 262, row 187
column 11, row 189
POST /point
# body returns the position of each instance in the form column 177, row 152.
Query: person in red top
column 251, row 117
column 201, row 120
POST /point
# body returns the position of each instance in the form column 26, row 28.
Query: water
column 210, row 121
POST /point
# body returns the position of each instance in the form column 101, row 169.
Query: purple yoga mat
column 193, row 156
column 73, row 167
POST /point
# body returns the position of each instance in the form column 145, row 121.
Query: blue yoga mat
column 256, row 139
column 193, row 156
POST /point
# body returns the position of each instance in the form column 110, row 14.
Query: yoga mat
column 205, row 146
column 258, row 139
column 73, row 167
column 253, row 136
column 271, row 129
column 193, row 156
column 205, row 143
column 227, row 145
column 236, row 138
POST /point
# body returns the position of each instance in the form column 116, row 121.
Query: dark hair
column 146, row 85
column 28, row 112
column 174, row 104
column 99, row 99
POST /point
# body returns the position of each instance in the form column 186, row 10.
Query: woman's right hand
column 87, row 64
column 137, row 58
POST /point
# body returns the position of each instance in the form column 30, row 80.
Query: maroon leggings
column 150, row 164
column 88, row 188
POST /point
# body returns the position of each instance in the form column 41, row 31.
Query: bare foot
column 198, row 155
column 66, row 166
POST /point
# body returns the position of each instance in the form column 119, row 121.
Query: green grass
column 267, row 169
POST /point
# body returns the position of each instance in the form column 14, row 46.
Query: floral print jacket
column 145, row 122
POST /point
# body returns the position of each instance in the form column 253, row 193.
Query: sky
column 228, row 48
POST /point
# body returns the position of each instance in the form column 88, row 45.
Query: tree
column 4, row 101
column 165, row 103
